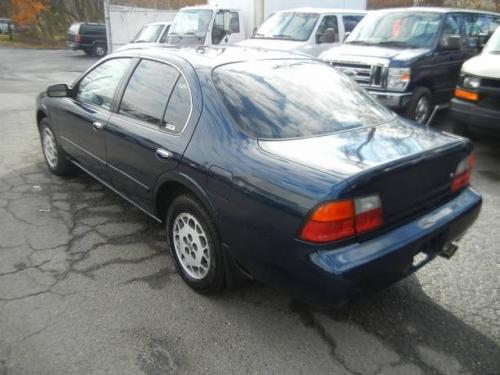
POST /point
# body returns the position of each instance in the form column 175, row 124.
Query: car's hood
column 279, row 44
column 485, row 65
column 349, row 52
column 347, row 153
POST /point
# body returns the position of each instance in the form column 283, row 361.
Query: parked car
column 307, row 30
column 4, row 25
column 153, row 33
column 150, row 35
column 410, row 59
column 88, row 37
column 264, row 164
column 476, row 105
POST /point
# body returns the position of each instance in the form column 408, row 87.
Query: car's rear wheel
column 420, row 106
column 54, row 155
column 99, row 50
column 195, row 245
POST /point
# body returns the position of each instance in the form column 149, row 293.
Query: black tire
column 213, row 278
column 60, row 164
column 99, row 50
column 413, row 109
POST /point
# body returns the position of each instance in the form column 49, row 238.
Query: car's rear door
column 84, row 116
column 150, row 129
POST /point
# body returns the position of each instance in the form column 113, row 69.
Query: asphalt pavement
column 87, row 286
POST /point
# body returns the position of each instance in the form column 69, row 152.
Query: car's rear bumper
column 475, row 116
column 339, row 274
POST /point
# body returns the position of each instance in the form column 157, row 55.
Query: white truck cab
column 207, row 25
column 306, row 30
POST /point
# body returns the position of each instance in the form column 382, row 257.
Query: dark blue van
column 410, row 58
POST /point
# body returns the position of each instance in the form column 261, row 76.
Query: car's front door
column 85, row 114
column 147, row 135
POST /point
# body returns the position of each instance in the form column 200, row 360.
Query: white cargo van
column 306, row 30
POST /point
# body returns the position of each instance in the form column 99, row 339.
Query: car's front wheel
column 420, row 106
column 54, row 155
column 195, row 245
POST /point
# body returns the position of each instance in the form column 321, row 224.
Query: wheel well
column 166, row 194
column 40, row 115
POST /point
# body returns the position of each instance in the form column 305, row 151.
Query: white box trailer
column 123, row 23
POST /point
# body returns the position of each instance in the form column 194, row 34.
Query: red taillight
column 337, row 220
column 77, row 38
column 463, row 173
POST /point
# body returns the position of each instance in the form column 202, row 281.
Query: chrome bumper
column 393, row 100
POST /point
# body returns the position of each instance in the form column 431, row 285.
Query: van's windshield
column 397, row 29
column 288, row 26
column 191, row 22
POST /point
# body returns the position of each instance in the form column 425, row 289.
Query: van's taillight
column 342, row 219
column 77, row 38
column 463, row 173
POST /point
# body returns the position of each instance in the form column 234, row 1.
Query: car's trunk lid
column 409, row 166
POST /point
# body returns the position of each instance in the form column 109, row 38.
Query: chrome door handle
column 98, row 125
column 163, row 154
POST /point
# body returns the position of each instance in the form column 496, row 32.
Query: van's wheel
column 420, row 106
column 55, row 157
column 99, row 50
column 195, row 245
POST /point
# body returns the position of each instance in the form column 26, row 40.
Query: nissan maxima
column 264, row 165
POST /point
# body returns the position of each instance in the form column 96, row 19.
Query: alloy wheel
column 49, row 147
column 422, row 109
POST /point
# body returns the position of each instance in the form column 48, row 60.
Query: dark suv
column 410, row 59
column 89, row 37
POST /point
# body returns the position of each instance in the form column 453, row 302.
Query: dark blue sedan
column 264, row 165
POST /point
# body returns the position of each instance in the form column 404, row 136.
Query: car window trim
column 94, row 106
column 145, row 124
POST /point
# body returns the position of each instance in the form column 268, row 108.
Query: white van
column 306, row 30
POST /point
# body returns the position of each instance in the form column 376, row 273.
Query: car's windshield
column 191, row 22
column 288, row 25
column 148, row 34
column 493, row 45
column 294, row 99
column 397, row 29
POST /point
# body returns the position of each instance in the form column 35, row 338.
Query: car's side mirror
column 346, row 35
column 58, row 91
column 329, row 36
column 451, row 42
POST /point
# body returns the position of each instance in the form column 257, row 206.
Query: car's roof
column 324, row 10
column 210, row 57
column 436, row 10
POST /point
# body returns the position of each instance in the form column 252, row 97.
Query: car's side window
column 451, row 29
column 328, row 23
column 218, row 28
column 148, row 91
column 98, row 87
column 179, row 107
column 350, row 22
column 164, row 36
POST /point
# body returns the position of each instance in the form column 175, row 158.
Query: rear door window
column 98, row 87
column 179, row 107
column 148, row 91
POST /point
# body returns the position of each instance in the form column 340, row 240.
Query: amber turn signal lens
column 467, row 95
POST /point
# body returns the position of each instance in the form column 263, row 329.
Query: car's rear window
column 294, row 99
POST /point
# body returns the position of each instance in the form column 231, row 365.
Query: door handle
column 163, row 154
column 98, row 125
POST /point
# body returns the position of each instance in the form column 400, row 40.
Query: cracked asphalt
column 87, row 287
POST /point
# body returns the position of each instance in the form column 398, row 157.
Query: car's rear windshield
column 294, row 99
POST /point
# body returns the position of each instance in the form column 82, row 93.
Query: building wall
column 377, row 4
